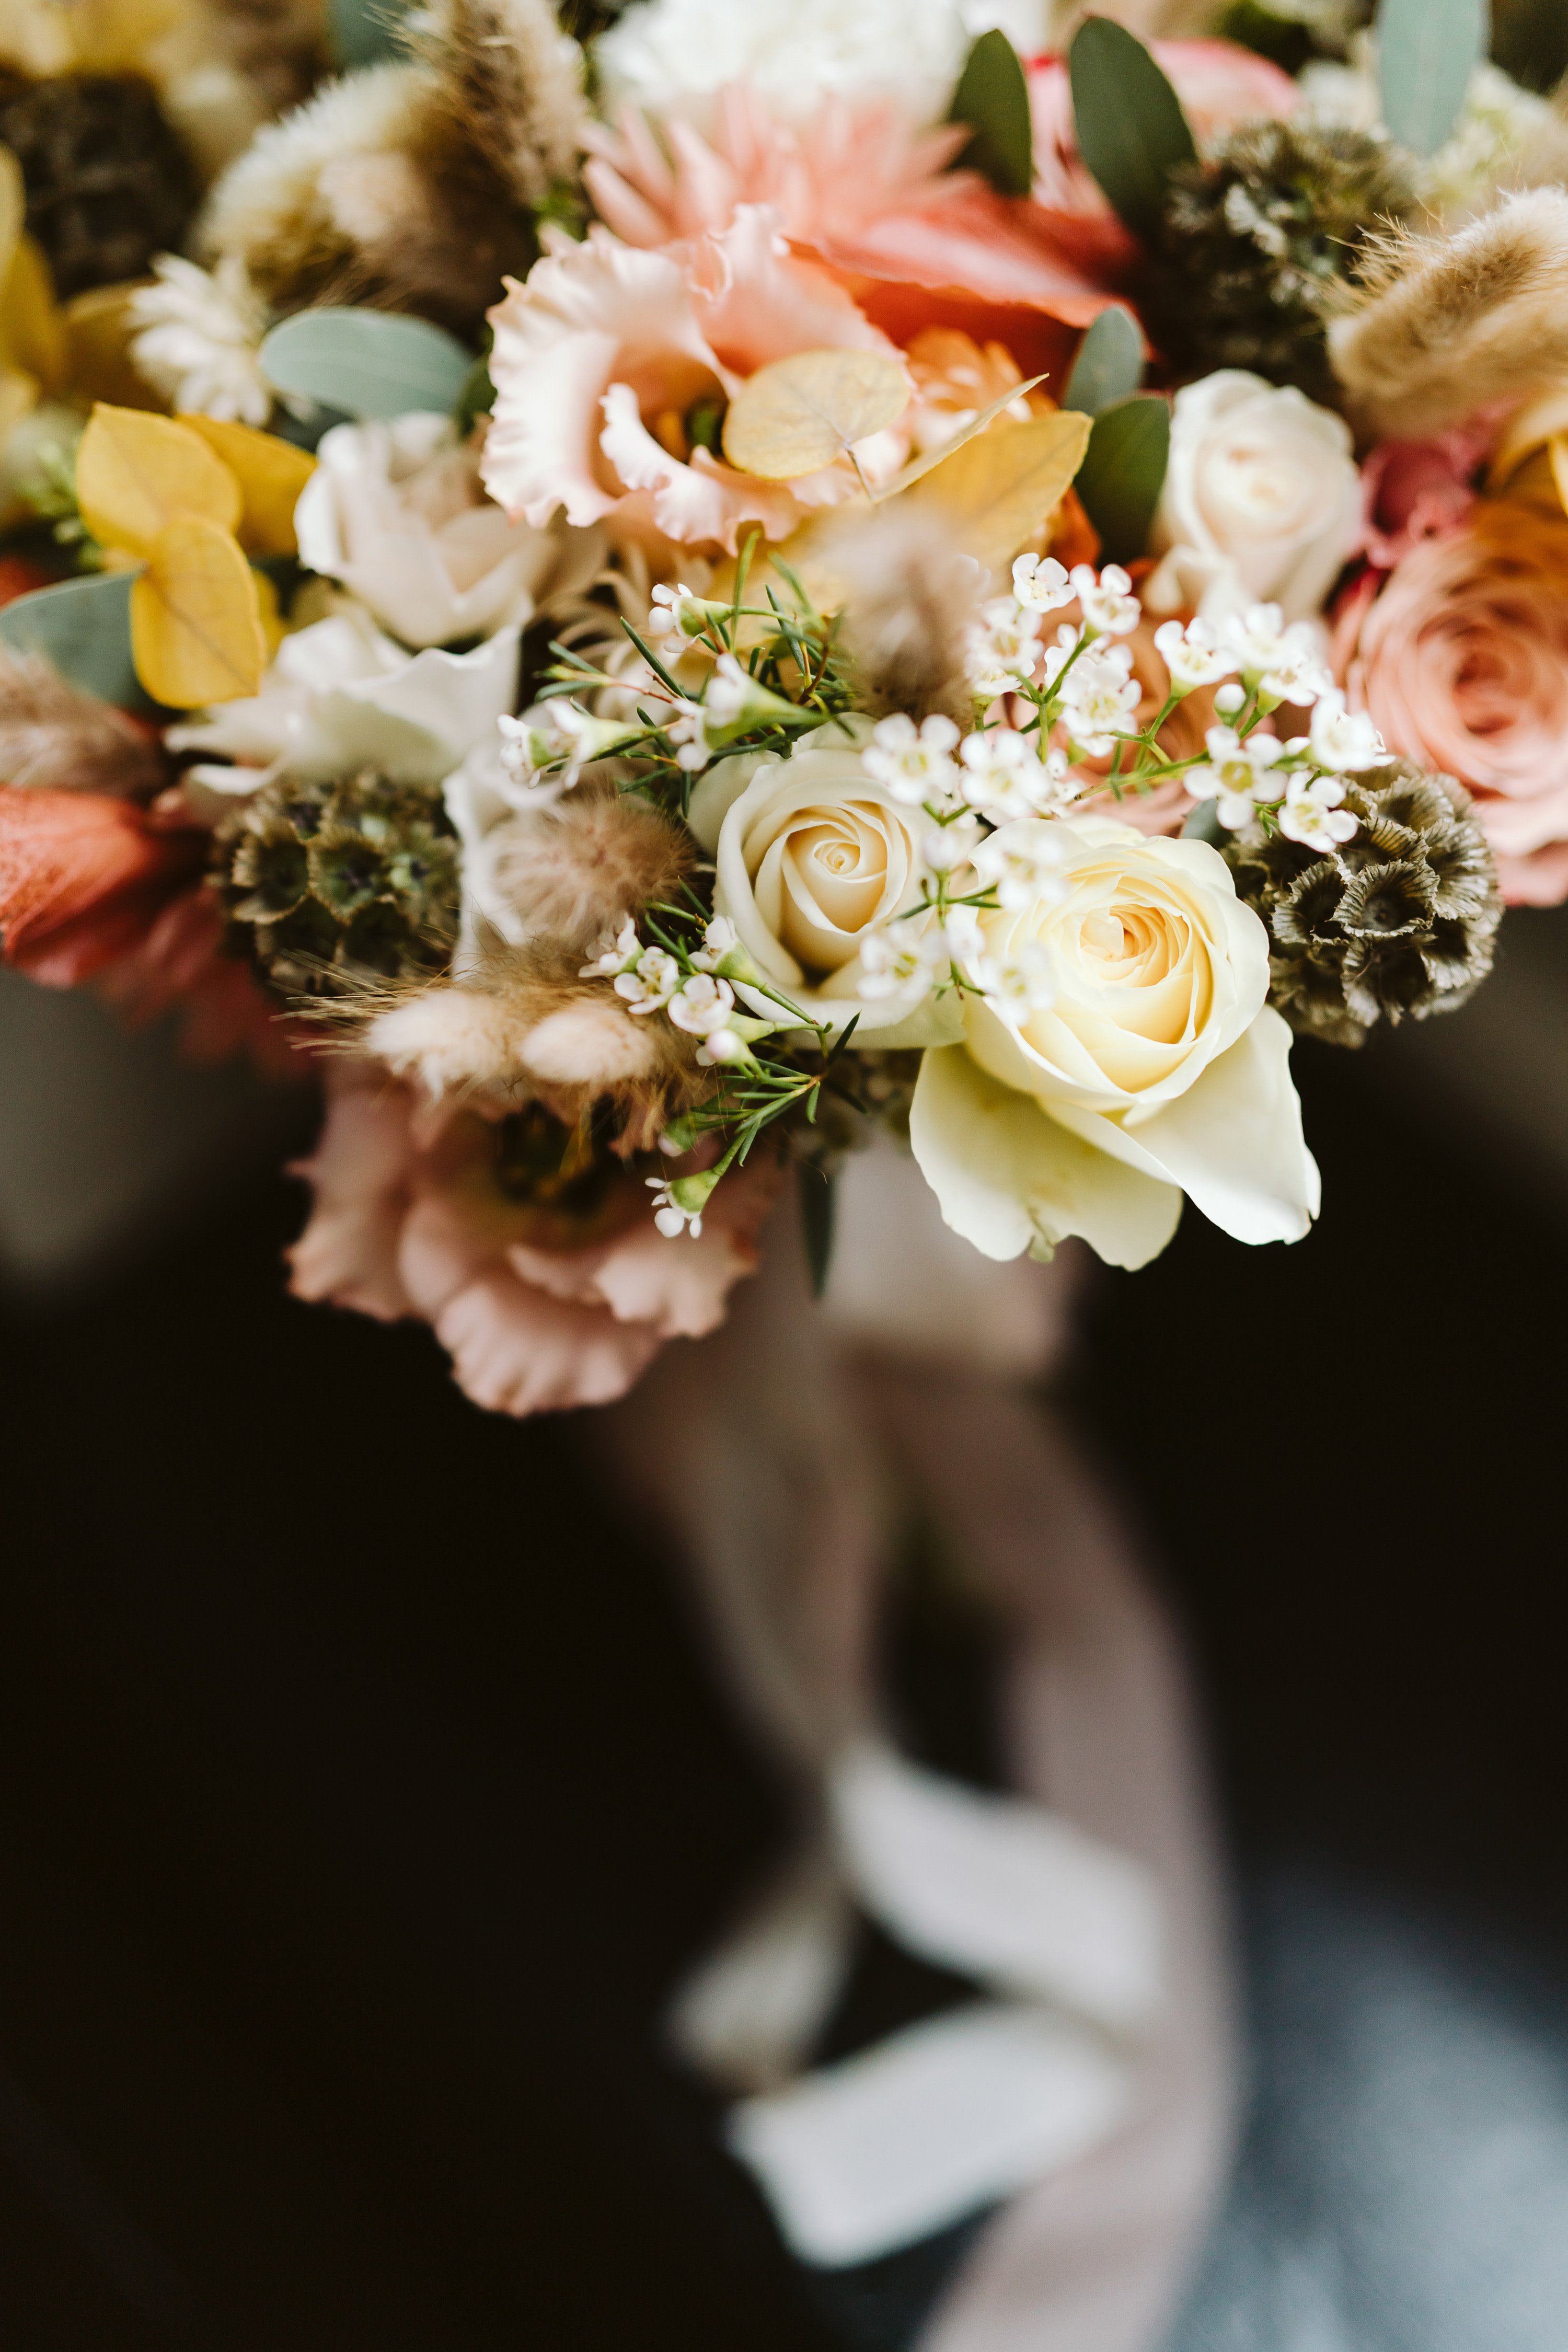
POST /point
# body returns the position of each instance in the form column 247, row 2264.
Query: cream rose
column 1261, row 504
column 1157, row 1069
column 814, row 855
column 395, row 512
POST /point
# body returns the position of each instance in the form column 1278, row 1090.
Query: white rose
column 1157, row 1070
column 1262, row 500
column 396, row 513
column 814, row 857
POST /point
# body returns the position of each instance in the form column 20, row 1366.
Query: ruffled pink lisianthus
column 410, row 1224
column 859, row 187
column 1462, row 661
column 602, row 356
column 1220, row 86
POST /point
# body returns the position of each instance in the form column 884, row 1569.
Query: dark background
column 362, row 1786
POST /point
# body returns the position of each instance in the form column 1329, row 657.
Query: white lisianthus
column 1262, row 500
column 815, row 856
column 1157, row 1069
column 395, row 513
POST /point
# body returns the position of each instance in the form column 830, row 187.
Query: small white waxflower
column 721, row 938
column 1238, row 775
column 1193, row 654
column 618, row 954
column 650, row 982
column 894, row 962
column 1018, row 983
column 730, row 690
column 947, row 845
column 680, row 612
column 1003, row 648
column 668, row 1215
column 556, row 730
column 1344, row 739
column 1285, row 663
column 1109, row 607
column 1041, row 584
column 1022, row 869
column 701, row 1005
column 1100, row 700
column 722, row 1046
column 1311, row 813
column 198, row 340
column 687, row 728
column 1004, row 776
column 1229, row 699
column 915, row 764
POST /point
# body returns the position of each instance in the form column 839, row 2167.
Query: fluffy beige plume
column 408, row 184
column 573, row 872
column 910, row 602
column 1444, row 324
column 55, row 736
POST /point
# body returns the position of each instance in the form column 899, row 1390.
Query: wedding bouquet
column 662, row 593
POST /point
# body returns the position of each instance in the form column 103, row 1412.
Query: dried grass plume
column 1442, row 325
column 54, row 737
column 910, row 600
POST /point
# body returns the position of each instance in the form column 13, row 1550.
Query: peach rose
column 537, row 1312
column 1462, row 662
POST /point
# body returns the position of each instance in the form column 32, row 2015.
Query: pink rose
column 1220, row 86
column 1462, row 662
column 536, row 1314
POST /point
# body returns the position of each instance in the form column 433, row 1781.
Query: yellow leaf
column 918, row 467
column 798, row 414
column 1557, row 450
column 1527, row 430
column 135, row 473
column 32, row 330
column 274, row 628
column 99, row 327
column 270, row 472
column 998, row 492
column 196, row 623
column 12, row 207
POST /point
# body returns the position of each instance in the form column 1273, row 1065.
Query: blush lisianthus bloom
column 1262, row 502
column 395, row 513
column 1462, row 664
column 815, row 856
column 605, row 357
column 535, row 1317
column 340, row 696
column 1145, row 1065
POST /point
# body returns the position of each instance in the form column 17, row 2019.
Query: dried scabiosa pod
column 1398, row 923
column 108, row 180
column 1258, row 242
column 325, row 886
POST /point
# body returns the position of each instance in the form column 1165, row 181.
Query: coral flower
column 407, row 1225
column 1463, row 663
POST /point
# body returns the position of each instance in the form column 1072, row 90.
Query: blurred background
column 363, row 1786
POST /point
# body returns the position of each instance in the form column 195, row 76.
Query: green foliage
column 367, row 362
column 1425, row 51
column 993, row 98
column 365, row 32
column 1122, row 476
column 1109, row 363
column 1132, row 132
column 82, row 627
column 817, row 1203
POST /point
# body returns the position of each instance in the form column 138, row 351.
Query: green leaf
column 365, row 32
column 816, row 1219
column 477, row 399
column 993, row 98
column 1109, row 363
column 83, row 628
column 1123, row 472
column 1203, row 823
column 367, row 362
column 1132, row 132
column 1426, row 52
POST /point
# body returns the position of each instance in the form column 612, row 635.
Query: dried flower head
column 567, row 872
column 1396, row 923
column 911, row 602
column 1258, row 238
column 1442, row 325
column 326, row 886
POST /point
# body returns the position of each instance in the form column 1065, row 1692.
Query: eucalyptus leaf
column 1124, row 473
column 816, row 1220
column 993, row 98
column 1132, row 132
column 1203, row 823
column 1426, row 50
column 367, row 362
column 82, row 627
column 1109, row 363
column 365, row 32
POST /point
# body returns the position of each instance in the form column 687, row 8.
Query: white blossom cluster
column 693, row 993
